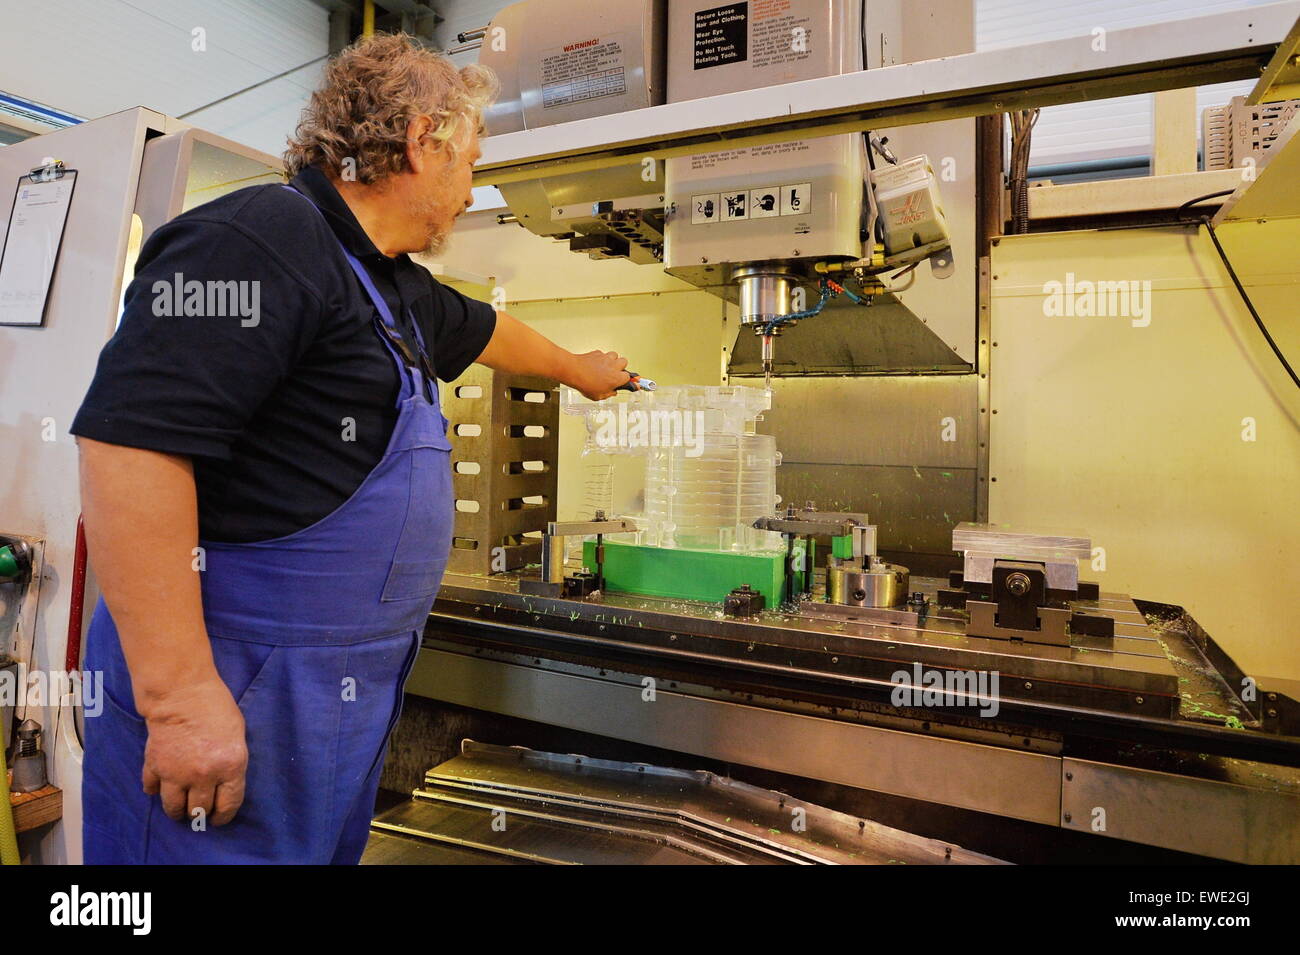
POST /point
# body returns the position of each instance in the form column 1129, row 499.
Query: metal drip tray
column 510, row 804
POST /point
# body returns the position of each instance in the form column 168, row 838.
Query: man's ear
column 416, row 130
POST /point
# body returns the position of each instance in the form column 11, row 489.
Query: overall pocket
column 421, row 555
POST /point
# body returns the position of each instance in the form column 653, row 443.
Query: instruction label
column 780, row 37
column 791, row 199
column 587, row 69
column 722, row 35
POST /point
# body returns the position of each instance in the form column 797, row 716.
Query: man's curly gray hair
column 371, row 91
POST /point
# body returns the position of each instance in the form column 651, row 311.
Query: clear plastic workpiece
column 707, row 475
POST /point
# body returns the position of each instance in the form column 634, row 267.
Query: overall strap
column 408, row 370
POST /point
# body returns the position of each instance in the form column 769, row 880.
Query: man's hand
column 142, row 527
column 597, row 374
column 196, row 755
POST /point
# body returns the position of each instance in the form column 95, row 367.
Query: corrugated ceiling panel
column 94, row 57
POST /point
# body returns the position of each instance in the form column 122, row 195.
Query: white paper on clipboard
column 31, row 247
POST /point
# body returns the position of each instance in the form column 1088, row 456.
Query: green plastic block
column 690, row 574
column 8, row 563
column 842, row 546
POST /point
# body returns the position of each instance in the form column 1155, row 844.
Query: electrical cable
column 878, row 229
column 909, row 271
column 1209, row 195
column 1250, row 306
column 1022, row 128
column 1180, row 220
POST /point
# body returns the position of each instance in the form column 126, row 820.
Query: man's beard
column 436, row 241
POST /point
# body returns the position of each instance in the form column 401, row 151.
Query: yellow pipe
column 368, row 18
column 8, row 837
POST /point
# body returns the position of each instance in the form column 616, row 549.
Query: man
column 266, row 484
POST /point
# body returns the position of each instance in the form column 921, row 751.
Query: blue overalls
column 315, row 634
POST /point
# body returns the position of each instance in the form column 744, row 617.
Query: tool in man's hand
column 636, row 383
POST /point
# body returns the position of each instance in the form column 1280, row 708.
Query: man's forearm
column 518, row 350
column 141, row 515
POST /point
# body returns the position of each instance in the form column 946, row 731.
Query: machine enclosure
column 773, row 202
column 565, row 60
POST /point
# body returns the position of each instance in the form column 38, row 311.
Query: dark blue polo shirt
column 284, row 407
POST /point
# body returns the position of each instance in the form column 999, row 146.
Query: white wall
column 95, row 57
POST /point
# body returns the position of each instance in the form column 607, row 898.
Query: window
column 1112, row 133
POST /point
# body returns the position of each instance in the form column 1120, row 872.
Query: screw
column 1069, row 776
column 1029, row 686
column 1018, row 584
column 1139, row 700
column 1068, row 817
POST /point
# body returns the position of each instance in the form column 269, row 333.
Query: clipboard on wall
column 32, row 242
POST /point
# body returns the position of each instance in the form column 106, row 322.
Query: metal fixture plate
column 506, row 471
column 1105, row 678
